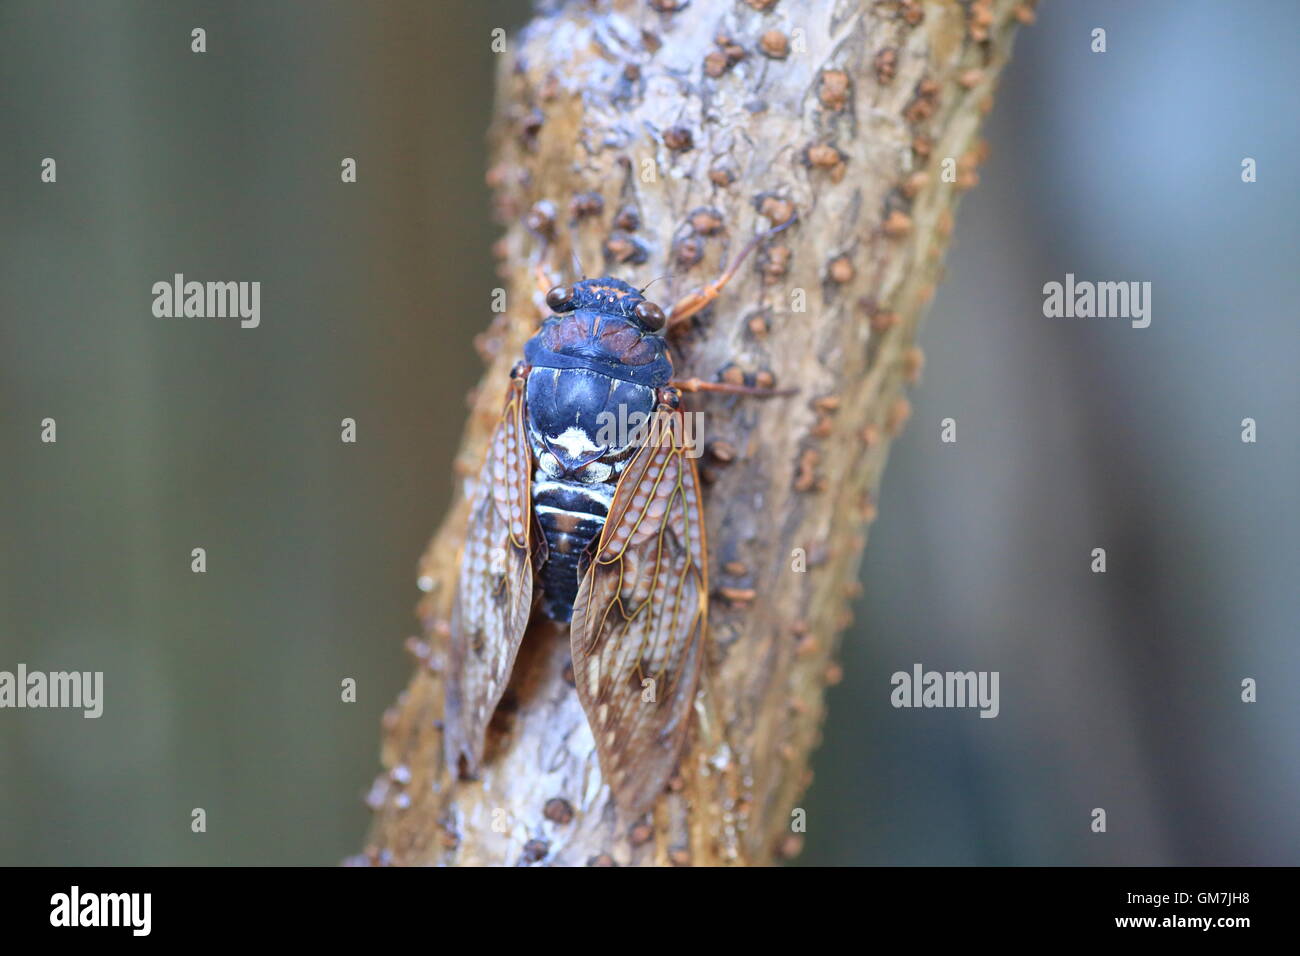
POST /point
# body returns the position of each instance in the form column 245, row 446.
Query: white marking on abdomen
column 602, row 494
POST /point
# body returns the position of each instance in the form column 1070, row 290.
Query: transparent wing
column 639, row 619
column 494, row 594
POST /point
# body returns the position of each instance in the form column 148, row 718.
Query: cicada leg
column 693, row 302
column 699, row 385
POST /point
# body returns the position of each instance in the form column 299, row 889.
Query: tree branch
column 652, row 140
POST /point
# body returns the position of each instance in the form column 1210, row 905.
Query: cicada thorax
column 594, row 378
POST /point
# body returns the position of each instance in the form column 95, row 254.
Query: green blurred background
column 222, row 689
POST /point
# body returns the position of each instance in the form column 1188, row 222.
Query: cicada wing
column 640, row 617
column 494, row 593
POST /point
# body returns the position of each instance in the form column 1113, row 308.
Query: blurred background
column 1119, row 691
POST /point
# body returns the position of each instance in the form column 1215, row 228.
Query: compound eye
column 558, row 298
column 651, row 316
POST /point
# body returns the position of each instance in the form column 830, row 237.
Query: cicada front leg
column 693, row 302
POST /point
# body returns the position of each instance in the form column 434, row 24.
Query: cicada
column 604, row 533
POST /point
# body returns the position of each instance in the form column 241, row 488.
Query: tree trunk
column 659, row 137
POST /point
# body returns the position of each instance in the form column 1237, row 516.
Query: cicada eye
column 558, row 298
column 651, row 316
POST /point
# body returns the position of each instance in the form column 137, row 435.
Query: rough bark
column 659, row 137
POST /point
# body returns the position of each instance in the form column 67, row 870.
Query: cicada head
column 610, row 297
column 606, row 326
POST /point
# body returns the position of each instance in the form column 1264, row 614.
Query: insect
column 605, row 532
